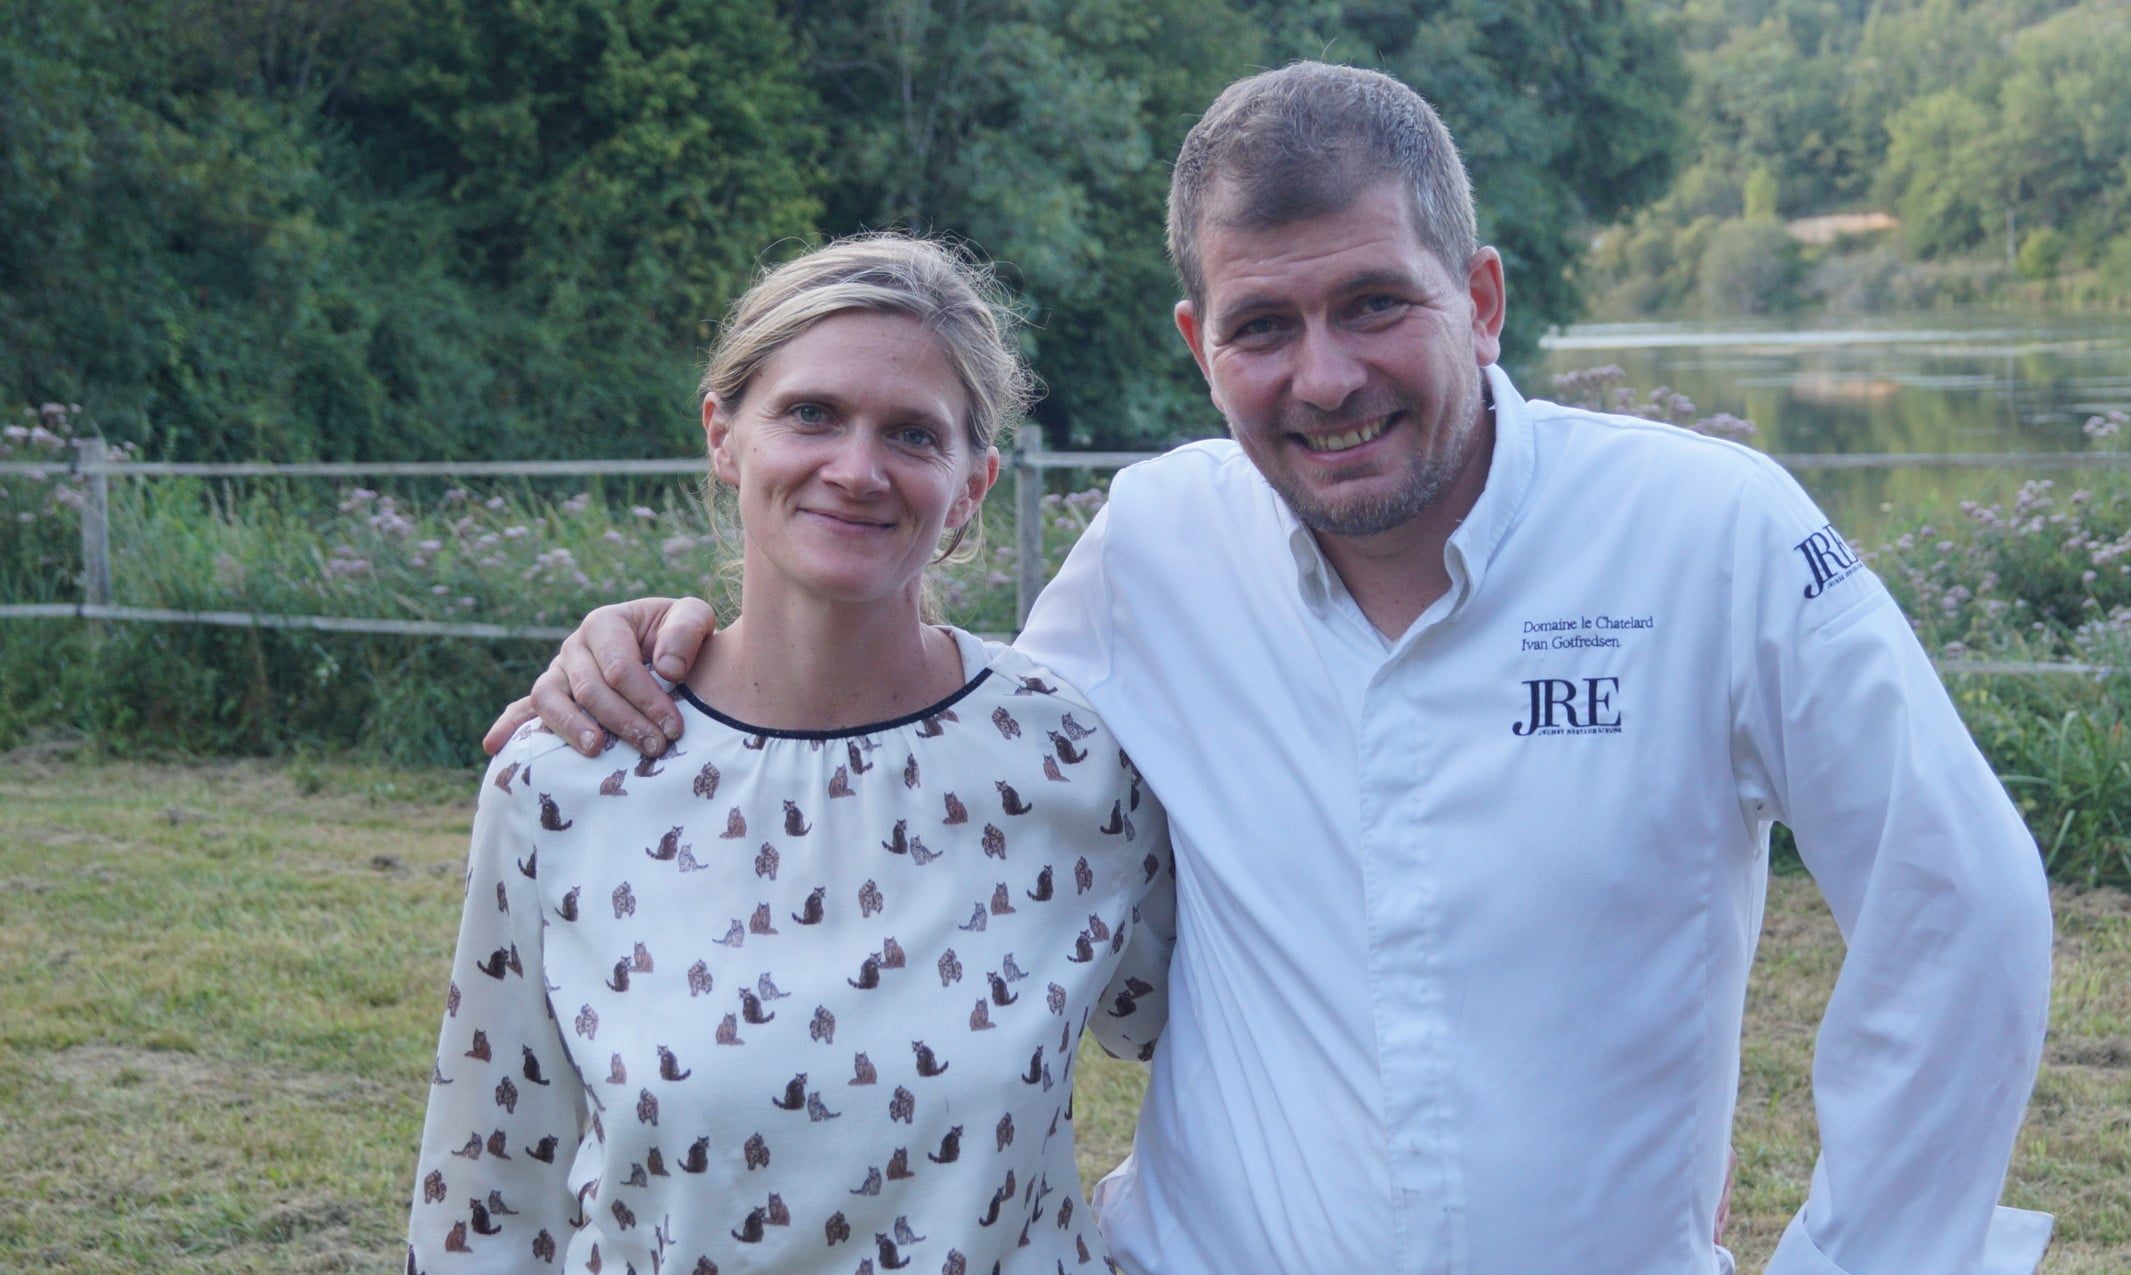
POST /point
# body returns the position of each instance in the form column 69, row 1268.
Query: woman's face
column 851, row 458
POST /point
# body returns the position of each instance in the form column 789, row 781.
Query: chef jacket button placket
column 1419, row 1087
column 1386, row 840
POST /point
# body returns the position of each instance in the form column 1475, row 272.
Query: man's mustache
column 1365, row 406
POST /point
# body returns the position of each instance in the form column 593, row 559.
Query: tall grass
column 2045, row 576
column 507, row 553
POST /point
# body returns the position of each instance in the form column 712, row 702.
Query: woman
column 803, row 995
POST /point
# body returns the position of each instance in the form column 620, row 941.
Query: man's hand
column 598, row 680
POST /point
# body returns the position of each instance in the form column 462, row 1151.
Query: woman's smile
column 848, row 522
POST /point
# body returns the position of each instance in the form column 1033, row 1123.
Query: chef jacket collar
column 1472, row 546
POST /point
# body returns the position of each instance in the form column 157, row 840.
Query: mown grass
column 219, row 988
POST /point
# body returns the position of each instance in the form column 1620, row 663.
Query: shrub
column 1749, row 267
column 1759, row 194
column 2041, row 253
column 2115, row 267
column 505, row 555
column 40, row 530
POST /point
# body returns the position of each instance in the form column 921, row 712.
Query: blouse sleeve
column 506, row 1107
column 1135, row 1006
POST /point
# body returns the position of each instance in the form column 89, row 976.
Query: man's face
column 1346, row 359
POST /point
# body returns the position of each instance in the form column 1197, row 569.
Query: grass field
column 219, row 990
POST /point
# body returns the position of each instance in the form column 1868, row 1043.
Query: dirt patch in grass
column 192, row 1078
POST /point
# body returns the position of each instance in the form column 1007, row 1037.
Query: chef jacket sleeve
column 506, row 1106
column 1930, row 1042
column 1070, row 631
column 1135, row 1006
column 1069, row 628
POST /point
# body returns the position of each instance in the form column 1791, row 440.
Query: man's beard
column 1422, row 486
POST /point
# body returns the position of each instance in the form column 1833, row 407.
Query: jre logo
column 1827, row 557
column 1560, row 705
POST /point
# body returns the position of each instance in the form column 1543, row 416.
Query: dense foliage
column 258, row 228
column 288, row 229
column 1998, row 132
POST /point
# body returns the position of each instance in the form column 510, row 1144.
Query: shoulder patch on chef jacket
column 1827, row 560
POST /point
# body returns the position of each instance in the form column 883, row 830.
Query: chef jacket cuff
column 2014, row 1246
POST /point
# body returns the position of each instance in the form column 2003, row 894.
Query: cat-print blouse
column 795, row 1001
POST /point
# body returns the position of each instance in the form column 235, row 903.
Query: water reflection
column 1962, row 384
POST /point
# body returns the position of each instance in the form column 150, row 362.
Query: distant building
column 1821, row 231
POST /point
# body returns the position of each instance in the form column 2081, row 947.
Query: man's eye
column 916, row 436
column 1381, row 304
column 1264, row 325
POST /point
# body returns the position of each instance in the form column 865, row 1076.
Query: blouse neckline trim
column 844, row 732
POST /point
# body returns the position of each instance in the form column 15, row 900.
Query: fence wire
column 1029, row 461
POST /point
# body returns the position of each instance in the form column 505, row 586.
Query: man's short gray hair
column 1285, row 146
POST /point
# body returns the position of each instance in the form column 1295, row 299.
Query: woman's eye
column 916, row 436
column 810, row 414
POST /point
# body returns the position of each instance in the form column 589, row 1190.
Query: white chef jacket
column 1465, row 917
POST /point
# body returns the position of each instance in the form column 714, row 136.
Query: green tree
column 2041, row 253
column 328, row 229
column 606, row 176
column 1039, row 130
column 1759, row 195
column 1940, row 173
column 372, row 228
column 1769, row 96
column 2065, row 123
column 1750, row 266
column 164, row 225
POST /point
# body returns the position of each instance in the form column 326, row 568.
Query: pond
column 1938, row 383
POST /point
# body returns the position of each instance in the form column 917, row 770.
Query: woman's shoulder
column 535, row 754
column 1045, row 722
column 1013, row 675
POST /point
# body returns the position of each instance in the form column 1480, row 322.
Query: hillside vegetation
column 383, row 229
column 1998, row 133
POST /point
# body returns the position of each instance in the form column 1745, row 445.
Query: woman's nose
column 857, row 467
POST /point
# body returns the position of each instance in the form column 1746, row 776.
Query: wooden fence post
column 1028, row 522
column 95, row 523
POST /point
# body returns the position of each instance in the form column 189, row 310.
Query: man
column 1471, row 716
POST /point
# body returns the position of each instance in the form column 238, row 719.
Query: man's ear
column 717, row 440
column 1490, row 304
column 1193, row 331
column 974, row 487
column 1194, row 334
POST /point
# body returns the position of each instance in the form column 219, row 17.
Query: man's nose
column 1326, row 373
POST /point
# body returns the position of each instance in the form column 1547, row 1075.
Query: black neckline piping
column 848, row 732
